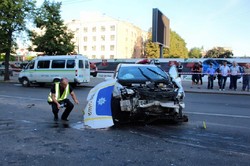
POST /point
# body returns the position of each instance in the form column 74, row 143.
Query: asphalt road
column 217, row 133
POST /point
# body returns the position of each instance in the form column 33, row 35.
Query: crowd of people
column 222, row 74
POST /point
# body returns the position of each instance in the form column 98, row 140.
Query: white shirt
column 234, row 70
column 224, row 70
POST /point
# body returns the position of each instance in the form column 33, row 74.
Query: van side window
column 86, row 64
column 80, row 64
column 43, row 64
column 70, row 64
column 58, row 64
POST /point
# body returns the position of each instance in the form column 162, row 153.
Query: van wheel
column 73, row 85
column 56, row 80
column 41, row 84
column 25, row 82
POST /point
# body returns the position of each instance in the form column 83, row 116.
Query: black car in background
column 2, row 70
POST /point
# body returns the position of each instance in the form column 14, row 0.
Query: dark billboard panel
column 160, row 28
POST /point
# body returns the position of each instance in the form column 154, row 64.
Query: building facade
column 101, row 37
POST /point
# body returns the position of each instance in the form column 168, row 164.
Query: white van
column 48, row 69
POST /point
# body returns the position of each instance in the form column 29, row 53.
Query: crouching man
column 58, row 98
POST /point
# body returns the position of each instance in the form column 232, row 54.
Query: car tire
column 41, row 84
column 56, row 80
column 119, row 116
column 95, row 74
column 25, row 82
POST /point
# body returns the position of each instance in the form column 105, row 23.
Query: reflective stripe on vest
column 57, row 93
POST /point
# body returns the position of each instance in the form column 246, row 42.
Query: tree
column 56, row 39
column 195, row 53
column 219, row 52
column 177, row 47
column 14, row 15
column 151, row 49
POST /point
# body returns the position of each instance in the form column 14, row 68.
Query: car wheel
column 56, row 80
column 25, row 82
column 119, row 116
column 95, row 74
column 41, row 84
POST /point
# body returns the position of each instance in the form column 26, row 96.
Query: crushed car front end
column 149, row 94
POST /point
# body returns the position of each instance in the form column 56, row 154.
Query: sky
column 201, row 23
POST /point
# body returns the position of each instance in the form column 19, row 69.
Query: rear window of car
column 80, row 64
column 86, row 64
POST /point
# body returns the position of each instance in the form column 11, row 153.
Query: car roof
column 136, row 65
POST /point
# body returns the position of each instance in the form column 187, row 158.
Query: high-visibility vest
column 57, row 93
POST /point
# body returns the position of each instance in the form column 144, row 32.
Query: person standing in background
column 195, row 75
column 246, row 77
column 225, row 71
column 210, row 75
column 200, row 71
column 179, row 68
column 219, row 77
column 234, row 75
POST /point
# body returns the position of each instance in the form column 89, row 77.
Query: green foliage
column 177, row 47
column 2, row 57
column 219, row 52
column 14, row 15
column 195, row 53
column 56, row 39
column 152, row 50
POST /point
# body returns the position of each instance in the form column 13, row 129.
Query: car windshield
column 141, row 73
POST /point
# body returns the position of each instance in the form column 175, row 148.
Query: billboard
column 160, row 28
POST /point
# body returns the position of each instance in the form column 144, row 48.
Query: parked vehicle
column 216, row 63
column 48, row 69
column 2, row 70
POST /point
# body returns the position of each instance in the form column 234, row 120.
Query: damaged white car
column 145, row 92
column 138, row 92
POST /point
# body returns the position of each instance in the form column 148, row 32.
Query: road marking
column 222, row 115
column 19, row 97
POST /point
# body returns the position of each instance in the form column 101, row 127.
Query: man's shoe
column 55, row 118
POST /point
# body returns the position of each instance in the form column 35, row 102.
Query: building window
column 112, row 28
column 112, row 56
column 94, row 29
column 94, row 38
column 93, row 48
column 102, row 48
column 102, row 57
column 112, row 37
column 103, row 38
column 103, row 28
column 112, row 47
column 85, row 38
column 93, row 56
column 85, row 48
column 85, row 29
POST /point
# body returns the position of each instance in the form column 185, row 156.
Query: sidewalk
column 185, row 83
